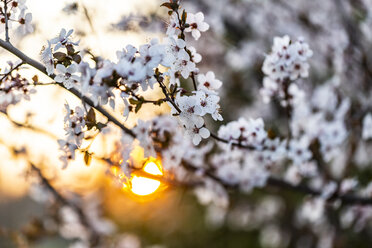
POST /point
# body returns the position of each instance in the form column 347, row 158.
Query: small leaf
column 59, row 56
column 35, row 79
column 171, row 5
column 76, row 58
column 167, row 5
column 184, row 16
column 70, row 50
column 100, row 125
column 134, row 101
column 138, row 107
column 87, row 158
column 91, row 116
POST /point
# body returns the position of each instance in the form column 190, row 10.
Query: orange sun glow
column 145, row 186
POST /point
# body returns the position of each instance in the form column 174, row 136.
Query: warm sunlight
column 145, row 186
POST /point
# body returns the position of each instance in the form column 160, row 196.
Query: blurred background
column 241, row 32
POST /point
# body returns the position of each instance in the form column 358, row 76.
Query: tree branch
column 10, row 71
column 7, row 39
column 346, row 199
column 94, row 237
column 9, row 47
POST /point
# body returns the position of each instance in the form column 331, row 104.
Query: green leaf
column 184, row 16
column 134, row 101
column 138, row 107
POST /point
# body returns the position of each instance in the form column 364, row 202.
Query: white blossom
column 197, row 131
column 208, row 83
column 63, row 39
column 24, row 20
column 67, row 76
column 244, row 132
column 196, row 24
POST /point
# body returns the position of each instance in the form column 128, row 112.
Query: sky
column 45, row 110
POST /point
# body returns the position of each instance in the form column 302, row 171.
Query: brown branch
column 10, row 71
column 30, row 127
column 9, row 47
column 7, row 39
column 94, row 236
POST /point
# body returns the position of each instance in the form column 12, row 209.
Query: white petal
column 59, row 78
column 62, row 33
column 185, row 73
column 210, row 76
column 72, row 68
column 196, row 139
column 201, row 78
column 69, row 32
column 196, row 34
column 204, row 133
column 199, row 17
column 61, row 68
column 203, row 26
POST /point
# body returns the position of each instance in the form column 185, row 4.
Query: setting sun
column 145, row 186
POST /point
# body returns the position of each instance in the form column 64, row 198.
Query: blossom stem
column 168, row 98
column 288, row 109
column 193, row 81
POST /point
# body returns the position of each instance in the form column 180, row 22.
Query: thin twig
column 10, row 71
column 83, row 218
column 30, row 127
column 7, row 39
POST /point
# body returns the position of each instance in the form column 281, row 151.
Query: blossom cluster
column 16, row 14
column 13, row 88
column 74, row 124
column 248, row 170
column 193, row 108
column 165, row 137
column 63, row 65
column 286, row 62
column 246, row 133
column 323, row 120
